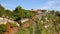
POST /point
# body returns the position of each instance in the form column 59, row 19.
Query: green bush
column 13, row 25
column 2, row 29
column 23, row 31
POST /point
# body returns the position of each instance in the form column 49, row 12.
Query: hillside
column 21, row 21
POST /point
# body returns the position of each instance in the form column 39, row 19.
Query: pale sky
column 29, row 4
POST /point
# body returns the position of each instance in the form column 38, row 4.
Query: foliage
column 23, row 31
column 12, row 24
column 16, row 14
column 2, row 29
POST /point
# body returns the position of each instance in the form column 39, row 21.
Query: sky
column 31, row 4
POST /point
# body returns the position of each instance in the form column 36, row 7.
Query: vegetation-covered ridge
column 31, row 21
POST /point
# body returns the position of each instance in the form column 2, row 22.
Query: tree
column 1, row 7
column 1, row 10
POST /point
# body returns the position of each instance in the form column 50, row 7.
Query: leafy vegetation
column 2, row 29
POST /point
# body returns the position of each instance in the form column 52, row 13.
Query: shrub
column 2, row 29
